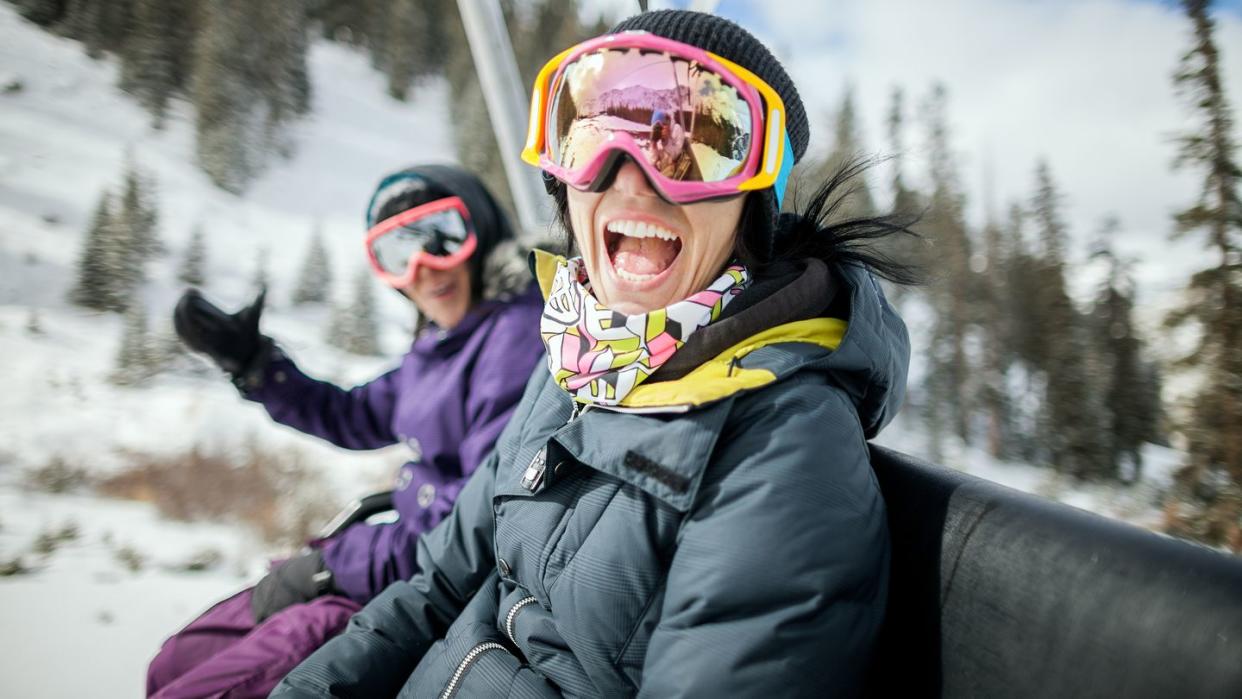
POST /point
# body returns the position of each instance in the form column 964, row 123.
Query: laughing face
column 643, row 253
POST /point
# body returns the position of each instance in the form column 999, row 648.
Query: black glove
column 299, row 579
column 233, row 340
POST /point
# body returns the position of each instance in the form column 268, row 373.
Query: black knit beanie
column 725, row 38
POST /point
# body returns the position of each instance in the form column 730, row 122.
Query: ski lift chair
column 996, row 593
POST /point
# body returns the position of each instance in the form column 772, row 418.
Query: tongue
column 644, row 256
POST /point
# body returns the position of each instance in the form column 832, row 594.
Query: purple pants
column 223, row 653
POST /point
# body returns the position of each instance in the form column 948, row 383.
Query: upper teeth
column 640, row 229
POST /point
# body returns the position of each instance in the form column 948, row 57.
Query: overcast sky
column 1082, row 83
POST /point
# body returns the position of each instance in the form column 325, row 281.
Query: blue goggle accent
column 782, row 177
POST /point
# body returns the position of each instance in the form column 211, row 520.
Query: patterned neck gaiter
column 599, row 355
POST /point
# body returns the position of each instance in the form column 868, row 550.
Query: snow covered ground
column 91, row 612
column 65, row 137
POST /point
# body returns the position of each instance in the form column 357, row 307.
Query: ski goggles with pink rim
column 699, row 126
column 436, row 235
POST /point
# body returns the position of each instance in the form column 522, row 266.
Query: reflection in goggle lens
column 689, row 123
column 441, row 233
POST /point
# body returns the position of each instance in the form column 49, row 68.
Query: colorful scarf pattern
column 598, row 355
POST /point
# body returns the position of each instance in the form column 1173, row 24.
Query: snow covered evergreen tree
column 134, row 361
column 194, row 265
column 354, row 328
column 1207, row 504
column 139, row 215
column 101, row 25
column 415, row 50
column 248, row 85
column 315, row 277
column 155, row 61
column 93, row 286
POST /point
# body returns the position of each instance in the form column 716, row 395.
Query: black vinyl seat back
column 995, row 593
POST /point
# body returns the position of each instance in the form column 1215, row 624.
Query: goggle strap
column 782, row 176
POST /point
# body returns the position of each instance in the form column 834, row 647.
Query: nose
column 631, row 181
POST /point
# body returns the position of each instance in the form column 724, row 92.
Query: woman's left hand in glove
column 299, row 579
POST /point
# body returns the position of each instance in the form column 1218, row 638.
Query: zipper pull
column 534, row 472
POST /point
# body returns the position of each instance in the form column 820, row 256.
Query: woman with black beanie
column 683, row 504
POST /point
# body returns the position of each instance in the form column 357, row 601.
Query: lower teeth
column 631, row 277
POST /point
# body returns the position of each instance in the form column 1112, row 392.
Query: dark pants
column 223, row 653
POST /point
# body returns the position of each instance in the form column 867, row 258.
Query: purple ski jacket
column 447, row 402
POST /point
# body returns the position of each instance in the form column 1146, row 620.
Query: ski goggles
column 436, row 235
column 699, row 126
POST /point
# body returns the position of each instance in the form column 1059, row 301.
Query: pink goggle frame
column 766, row 164
column 421, row 258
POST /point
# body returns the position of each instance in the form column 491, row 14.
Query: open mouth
column 639, row 250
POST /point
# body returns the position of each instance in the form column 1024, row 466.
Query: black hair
column 765, row 240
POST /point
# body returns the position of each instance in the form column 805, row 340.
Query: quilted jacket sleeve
column 384, row 642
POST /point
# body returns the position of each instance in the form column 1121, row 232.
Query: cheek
column 581, row 207
column 716, row 224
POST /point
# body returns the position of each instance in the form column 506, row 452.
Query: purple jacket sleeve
column 358, row 418
column 496, row 386
column 368, row 558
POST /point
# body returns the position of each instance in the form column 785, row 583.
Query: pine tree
column 134, row 361
column 1128, row 413
column 847, row 147
column 1023, row 339
column 101, row 25
column 1208, row 500
column 952, row 293
column 44, row 13
column 994, row 321
column 248, row 86
column 355, row 329
column 139, row 215
column 155, row 61
column 419, row 52
column 315, row 277
column 1071, row 428
column 905, row 200
column 194, row 264
column 93, row 286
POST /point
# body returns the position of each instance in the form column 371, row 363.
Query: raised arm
column 358, row 418
column 777, row 586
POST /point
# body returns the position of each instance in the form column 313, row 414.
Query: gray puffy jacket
column 720, row 535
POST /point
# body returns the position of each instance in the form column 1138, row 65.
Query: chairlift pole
column 506, row 98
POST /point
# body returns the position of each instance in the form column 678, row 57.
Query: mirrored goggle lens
column 441, row 233
column 689, row 123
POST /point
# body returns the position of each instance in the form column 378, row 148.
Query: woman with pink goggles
column 436, row 235
column 684, row 503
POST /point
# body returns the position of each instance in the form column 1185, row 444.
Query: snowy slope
column 64, row 139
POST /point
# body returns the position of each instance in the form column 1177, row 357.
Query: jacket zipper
column 466, row 662
column 512, row 616
column 533, row 475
